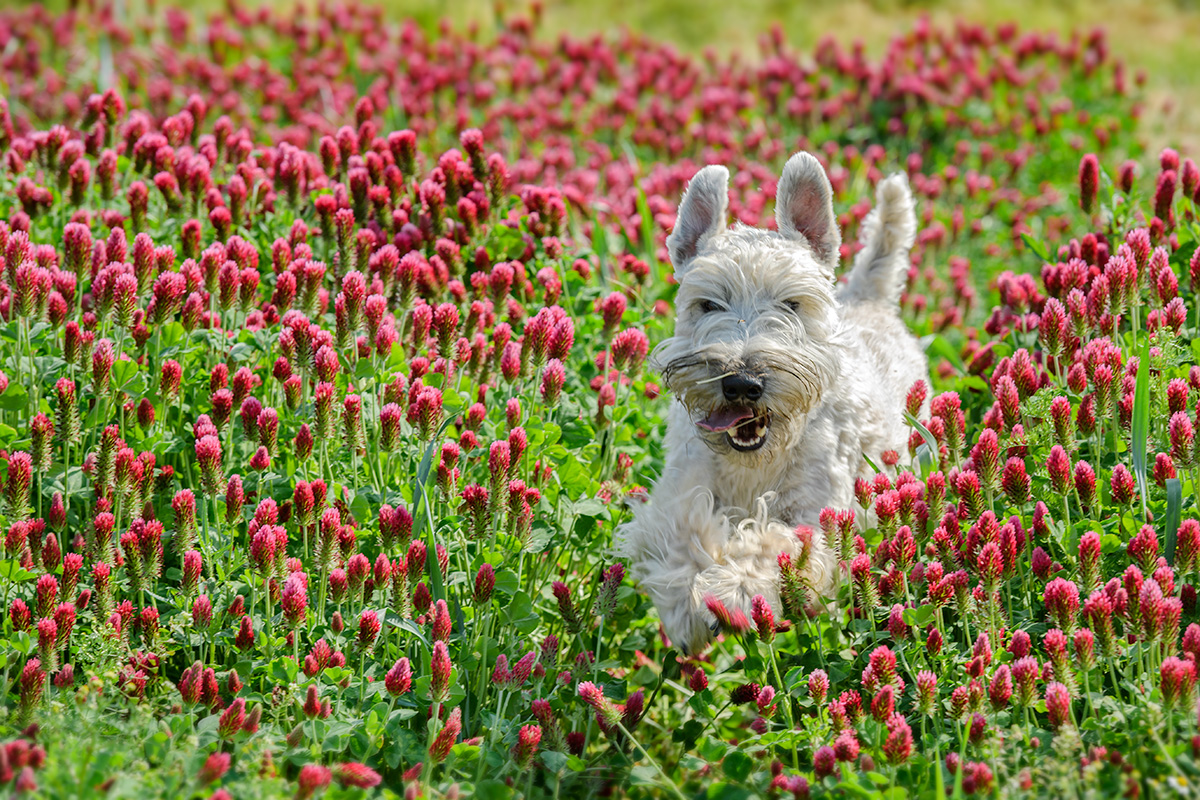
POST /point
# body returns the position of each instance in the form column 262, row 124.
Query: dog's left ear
column 804, row 207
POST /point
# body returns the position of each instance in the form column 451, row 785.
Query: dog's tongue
column 722, row 419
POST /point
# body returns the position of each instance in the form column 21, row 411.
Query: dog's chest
column 816, row 473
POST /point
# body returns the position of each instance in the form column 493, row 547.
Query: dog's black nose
column 741, row 387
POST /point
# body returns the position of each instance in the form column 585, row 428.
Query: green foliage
column 405, row 578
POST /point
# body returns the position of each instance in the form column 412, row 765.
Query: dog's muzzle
column 745, row 427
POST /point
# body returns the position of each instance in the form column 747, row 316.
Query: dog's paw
column 690, row 628
column 732, row 587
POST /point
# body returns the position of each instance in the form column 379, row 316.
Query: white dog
column 782, row 383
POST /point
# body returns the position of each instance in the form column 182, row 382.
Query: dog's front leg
column 675, row 544
column 748, row 564
column 683, row 550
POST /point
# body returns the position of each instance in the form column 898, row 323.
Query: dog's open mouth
column 745, row 427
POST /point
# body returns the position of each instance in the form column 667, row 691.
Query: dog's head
column 753, row 349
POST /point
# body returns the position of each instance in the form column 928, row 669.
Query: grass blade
column 1037, row 247
column 927, row 456
column 921, row 429
column 1141, row 421
column 1174, row 505
column 422, row 517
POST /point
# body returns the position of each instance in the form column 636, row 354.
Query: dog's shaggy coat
column 782, row 382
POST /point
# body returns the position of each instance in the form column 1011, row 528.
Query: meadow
column 325, row 380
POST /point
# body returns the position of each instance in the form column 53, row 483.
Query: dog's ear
column 804, row 207
column 701, row 215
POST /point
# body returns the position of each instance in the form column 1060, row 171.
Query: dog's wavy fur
column 835, row 366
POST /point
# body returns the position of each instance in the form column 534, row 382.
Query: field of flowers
column 324, row 384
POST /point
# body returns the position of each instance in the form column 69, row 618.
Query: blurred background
column 1161, row 37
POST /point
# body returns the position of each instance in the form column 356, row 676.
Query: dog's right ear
column 701, row 215
column 804, row 207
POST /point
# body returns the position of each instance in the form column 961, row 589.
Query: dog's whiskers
column 671, row 367
column 716, row 378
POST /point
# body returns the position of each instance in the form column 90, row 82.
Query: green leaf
column 493, row 790
column 242, row 351
column 521, row 613
column 123, row 373
column 360, row 509
column 919, row 616
column 506, row 243
column 701, row 703
column 1037, row 247
column 406, row 746
column 1174, row 504
column 360, row 744
column 738, row 765
column 284, row 670
column 49, row 367
column 935, row 345
column 506, row 581
column 22, row 643
column 554, row 760
column 541, row 536
column 643, row 773
column 924, row 459
column 854, row 788
column 688, row 734
column 1141, row 420
column 398, row 716
column 723, row 791
column 712, row 750
column 793, row 678
column 171, row 335
column 452, row 402
column 363, row 369
column 12, row 571
column 14, row 398
column 209, row 723
column 671, row 667
column 589, row 507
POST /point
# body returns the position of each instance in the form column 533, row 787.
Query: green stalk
column 362, row 680
column 787, row 704
column 667, row 781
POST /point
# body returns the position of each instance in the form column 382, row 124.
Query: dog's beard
column 794, row 378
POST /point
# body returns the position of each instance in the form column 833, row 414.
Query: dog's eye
column 709, row 306
column 792, row 305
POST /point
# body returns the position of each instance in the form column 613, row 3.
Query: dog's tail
column 887, row 235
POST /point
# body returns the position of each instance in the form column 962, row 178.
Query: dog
column 782, row 381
